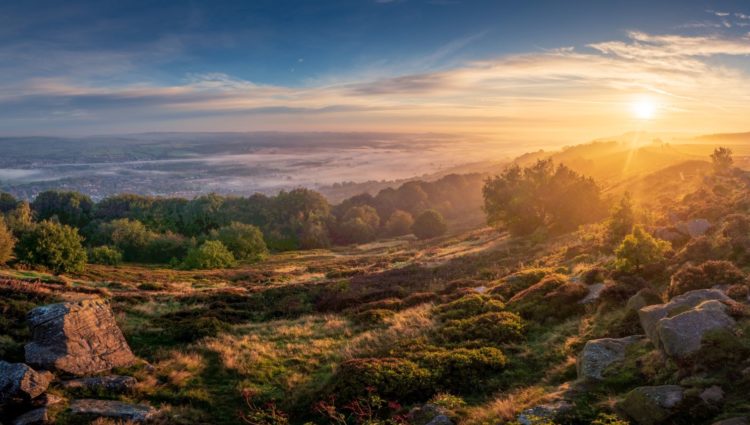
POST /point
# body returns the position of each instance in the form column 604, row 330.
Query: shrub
column 640, row 249
column 706, row 275
column 376, row 316
column 105, row 255
column 468, row 306
column 519, row 281
column 492, row 328
column 429, row 224
column 244, row 241
column 703, row 249
column 166, row 248
column 7, row 242
column 619, row 291
column 622, row 221
column 390, row 377
column 463, row 370
column 722, row 160
column 399, row 223
column 553, row 298
column 210, row 255
column 54, row 246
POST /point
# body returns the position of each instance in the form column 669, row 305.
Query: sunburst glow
column 644, row 109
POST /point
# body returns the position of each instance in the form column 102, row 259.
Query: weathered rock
column 651, row 315
column 643, row 298
column 652, row 405
column 112, row 409
column 681, row 335
column 35, row 417
column 79, row 338
column 113, row 383
column 598, row 354
column 742, row 420
column 595, row 291
column 544, row 411
column 694, row 228
column 19, row 381
column 440, row 420
column 426, row 414
column 712, row 395
column 46, row 399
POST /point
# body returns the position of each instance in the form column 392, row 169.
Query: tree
column 21, row 218
column 244, row 241
column 71, row 208
column 722, row 160
column 131, row 237
column 429, row 224
column 399, row 223
column 210, row 255
column 542, row 195
column 53, row 245
column 622, row 220
column 105, row 255
column 640, row 249
column 7, row 242
column 359, row 224
column 8, row 202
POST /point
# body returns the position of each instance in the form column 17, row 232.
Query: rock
column 544, row 411
column 694, row 228
column 741, row 420
column 427, row 414
column 47, row 399
column 644, row 297
column 682, row 335
column 35, row 417
column 598, row 354
column 78, row 338
column 19, row 381
column 113, row 383
column 652, row 405
column 595, row 291
column 712, row 395
column 440, row 420
column 112, row 409
column 651, row 315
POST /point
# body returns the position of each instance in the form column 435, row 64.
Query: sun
column 644, row 109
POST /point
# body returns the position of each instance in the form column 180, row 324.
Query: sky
column 524, row 71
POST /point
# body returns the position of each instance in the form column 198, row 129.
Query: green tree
column 131, row 237
column 55, row 246
column 7, row 242
column 244, row 241
column 399, row 223
column 71, row 208
column 429, row 224
column 640, row 249
column 360, row 224
column 210, row 255
column 621, row 221
column 722, row 160
column 21, row 218
column 105, row 255
column 8, row 202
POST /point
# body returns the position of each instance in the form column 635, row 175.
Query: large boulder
column 682, row 335
column 598, row 354
column 652, row 405
column 38, row 416
column 78, row 338
column 543, row 412
column 112, row 409
column 652, row 314
column 20, row 382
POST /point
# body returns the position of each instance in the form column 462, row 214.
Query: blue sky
column 364, row 65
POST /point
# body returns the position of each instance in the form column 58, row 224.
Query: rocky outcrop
column 643, row 298
column 682, row 335
column 650, row 316
column 113, row 383
column 429, row 414
column 598, row 354
column 38, row 416
column 18, row 381
column 543, row 412
column 78, row 338
column 112, row 409
column 652, row 405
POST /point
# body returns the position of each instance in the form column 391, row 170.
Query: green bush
column 210, row 255
column 167, row 248
column 399, row 223
column 640, row 249
column 429, row 224
column 553, row 298
column 7, row 242
column 463, row 370
column 54, row 246
column 105, row 255
column 706, row 275
column 244, row 241
column 389, row 377
column 491, row 328
column 468, row 306
column 519, row 281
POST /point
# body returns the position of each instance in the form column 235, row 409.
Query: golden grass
column 410, row 323
column 506, row 407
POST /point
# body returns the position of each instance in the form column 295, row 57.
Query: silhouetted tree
column 722, row 160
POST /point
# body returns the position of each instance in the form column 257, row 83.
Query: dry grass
column 506, row 407
column 407, row 324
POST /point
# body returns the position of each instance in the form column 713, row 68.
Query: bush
column 7, row 242
column 376, row 316
column 399, row 223
column 621, row 222
column 105, row 255
column 491, row 328
column 210, row 255
column 519, row 281
column 706, row 275
column 553, row 298
column 468, row 306
column 359, row 224
column 54, row 246
column 640, row 249
column 390, row 377
column 244, row 241
column 429, row 224
column 167, row 248
column 463, row 370
column 131, row 237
